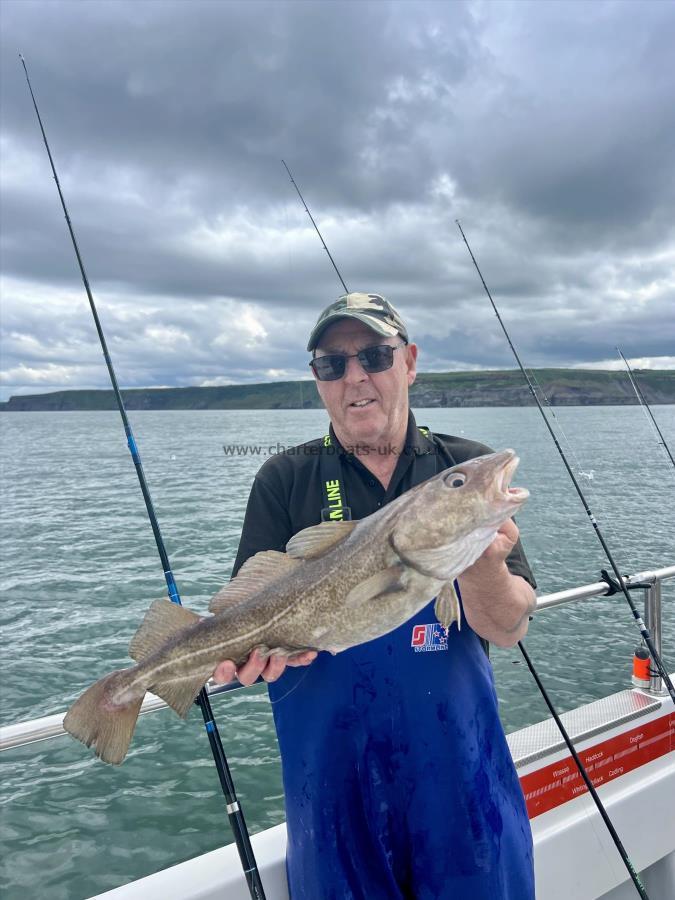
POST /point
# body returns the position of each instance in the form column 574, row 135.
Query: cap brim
column 375, row 323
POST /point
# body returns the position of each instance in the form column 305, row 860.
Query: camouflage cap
column 371, row 309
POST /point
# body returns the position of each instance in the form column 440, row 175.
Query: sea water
column 79, row 568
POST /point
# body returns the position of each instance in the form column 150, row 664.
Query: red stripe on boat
column 559, row 782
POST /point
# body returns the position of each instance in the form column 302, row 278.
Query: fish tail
column 105, row 716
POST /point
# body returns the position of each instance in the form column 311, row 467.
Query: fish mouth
column 504, row 491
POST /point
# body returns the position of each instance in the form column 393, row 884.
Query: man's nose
column 354, row 371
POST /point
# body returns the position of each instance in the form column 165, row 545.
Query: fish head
column 451, row 518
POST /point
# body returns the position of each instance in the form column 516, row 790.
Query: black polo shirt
column 287, row 492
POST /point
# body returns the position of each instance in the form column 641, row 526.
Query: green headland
column 562, row 387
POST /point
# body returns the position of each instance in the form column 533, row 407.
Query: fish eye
column 456, row 480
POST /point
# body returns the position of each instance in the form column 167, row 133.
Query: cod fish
column 337, row 585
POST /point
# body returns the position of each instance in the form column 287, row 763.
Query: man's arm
column 497, row 604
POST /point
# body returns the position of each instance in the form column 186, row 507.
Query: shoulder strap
column 426, row 462
column 334, row 499
column 334, row 508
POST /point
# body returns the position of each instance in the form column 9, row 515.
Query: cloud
column 546, row 128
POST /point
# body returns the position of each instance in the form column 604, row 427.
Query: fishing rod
column 234, row 811
column 582, row 770
column 316, row 227
column 620, row 584
column 645, row 405
column 646, row 637
column 586, row 777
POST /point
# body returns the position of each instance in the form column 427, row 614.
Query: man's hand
column 270, row 667
column 496, row 603
column 495, row 554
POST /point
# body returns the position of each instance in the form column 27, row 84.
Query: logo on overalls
column 429, row 638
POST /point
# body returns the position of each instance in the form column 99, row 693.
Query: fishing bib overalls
column 397, row 775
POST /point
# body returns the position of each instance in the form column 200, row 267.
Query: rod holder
column 653, row 623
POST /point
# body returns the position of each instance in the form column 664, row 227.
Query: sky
column 548, row 129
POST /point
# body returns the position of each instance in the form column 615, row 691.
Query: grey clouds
column 547, row 128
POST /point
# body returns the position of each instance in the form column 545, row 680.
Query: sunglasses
column 372, row 359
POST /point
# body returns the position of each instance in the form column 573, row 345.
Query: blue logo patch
column 429, row 638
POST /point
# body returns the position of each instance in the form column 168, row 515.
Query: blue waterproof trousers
column 397, row 775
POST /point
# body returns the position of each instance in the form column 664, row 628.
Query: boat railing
column 20, row 734
column 649, row 582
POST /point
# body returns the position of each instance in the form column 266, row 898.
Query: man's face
column 366, row 409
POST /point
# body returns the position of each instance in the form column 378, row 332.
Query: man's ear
column 411, row 361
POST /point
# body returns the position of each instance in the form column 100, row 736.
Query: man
column 397, row 776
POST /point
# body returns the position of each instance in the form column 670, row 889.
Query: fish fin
column 162, row 621
column 319, row 539
column 444, row 562
column 386, row 581
column 432, row 562
column 180, row 693
column 101, row 721
column 257, row 573
column 447, row 609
